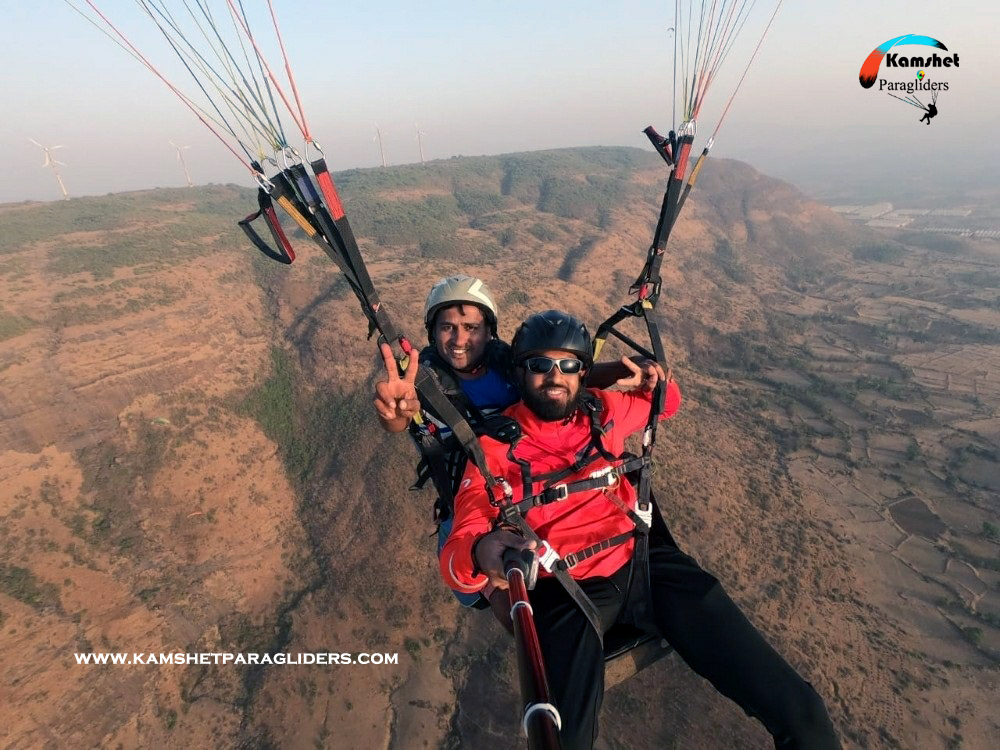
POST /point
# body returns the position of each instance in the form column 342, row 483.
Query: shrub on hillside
column 477, row 202
column 942, row 243
column 543, row 232
column 727, row 260
column 440, row 245
column 879, row 252
column 13, row 325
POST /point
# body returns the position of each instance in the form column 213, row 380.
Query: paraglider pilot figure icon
column 930, row 111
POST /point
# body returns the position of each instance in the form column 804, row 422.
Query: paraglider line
column 912, row 104
column 747, row 68
column 288, row 71
column 187, row 102
column 270, row 73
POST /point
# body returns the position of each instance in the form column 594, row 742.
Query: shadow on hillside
column 307, row 322
column 574, row 257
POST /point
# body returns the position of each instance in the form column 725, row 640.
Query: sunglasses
column 543, row 365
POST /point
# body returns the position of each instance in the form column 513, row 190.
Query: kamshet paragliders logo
column 909, row 89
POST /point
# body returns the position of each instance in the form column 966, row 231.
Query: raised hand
column 396, row 398
column 645, row 374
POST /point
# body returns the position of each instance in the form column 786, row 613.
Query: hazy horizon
column 498, row 80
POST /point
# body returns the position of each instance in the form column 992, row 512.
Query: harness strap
column 434, row 465
column 575, row 558
column 443, row 458
column 423, row 471
column 595, row 407
column 307, row 190
column 341, row 238
column 655, row 409
column 599, row 480
column 648, row 283
column 284, row 254
column 314, row 221
column 643, row 307
column 590, row 453
column 586, row 457
column 639, row 596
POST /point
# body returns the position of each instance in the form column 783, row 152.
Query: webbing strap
column 341, row 237
column 575, row 558
column 639, row 591
column 328, row 188
column 284, row 254
column 285, row 194
column 585, row 458
column 648, row 282
column 655, row 409
column 693, row 178
column 558, row 492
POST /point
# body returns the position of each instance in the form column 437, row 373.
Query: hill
column 190, row 460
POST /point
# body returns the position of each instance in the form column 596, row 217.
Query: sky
column 491, row 78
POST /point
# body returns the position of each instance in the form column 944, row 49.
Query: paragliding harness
column 624, row 467
column 646, row 517
column 442, row 458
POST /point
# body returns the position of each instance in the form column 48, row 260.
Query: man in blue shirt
column 474, row 365
column 474, row 369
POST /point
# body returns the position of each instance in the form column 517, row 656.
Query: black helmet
column 552, row 329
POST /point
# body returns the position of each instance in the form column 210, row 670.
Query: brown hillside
column 189, row 460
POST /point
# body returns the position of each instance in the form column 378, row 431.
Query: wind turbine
column 381, row 149
column 180, row 158
column 420, row 143
column 52, row 162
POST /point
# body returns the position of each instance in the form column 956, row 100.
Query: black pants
column 706, row 628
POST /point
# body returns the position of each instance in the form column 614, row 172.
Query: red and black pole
column 541, row 721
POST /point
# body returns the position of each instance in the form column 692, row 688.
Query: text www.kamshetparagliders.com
column 224, row 658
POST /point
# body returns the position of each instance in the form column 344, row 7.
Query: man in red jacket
column 571, row 441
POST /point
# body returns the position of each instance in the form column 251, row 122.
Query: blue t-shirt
column 489, row 392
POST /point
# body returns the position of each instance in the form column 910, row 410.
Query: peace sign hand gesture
column 645, row 374
column 396, row 398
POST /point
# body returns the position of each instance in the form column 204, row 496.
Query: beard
column 548, row 409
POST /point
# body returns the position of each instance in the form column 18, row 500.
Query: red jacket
column 570, row 525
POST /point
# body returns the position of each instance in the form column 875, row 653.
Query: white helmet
column 456, row 290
